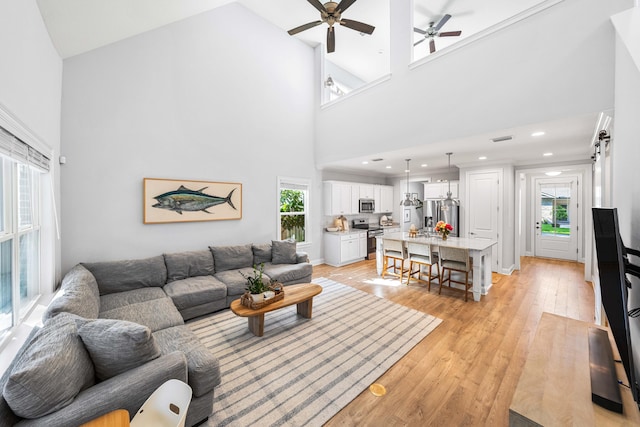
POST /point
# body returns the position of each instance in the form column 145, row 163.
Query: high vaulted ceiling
column 78, row 26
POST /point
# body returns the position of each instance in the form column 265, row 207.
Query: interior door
column 556, row 218
column 483, row 208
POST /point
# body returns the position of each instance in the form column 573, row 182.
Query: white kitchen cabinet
column 366, row 191
column 344, row 248
column 355, row 198
column 438, row 190
column 386, row 199
column 362, row 245
column 338, row 198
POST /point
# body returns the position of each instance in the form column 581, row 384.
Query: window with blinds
column 20, row 169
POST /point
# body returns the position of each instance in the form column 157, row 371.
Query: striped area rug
column 303, row 371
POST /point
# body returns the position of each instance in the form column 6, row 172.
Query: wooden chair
column 455, row 259
column 420, row 254
column 395, row 250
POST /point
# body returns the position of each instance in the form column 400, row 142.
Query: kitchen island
column 479, row 250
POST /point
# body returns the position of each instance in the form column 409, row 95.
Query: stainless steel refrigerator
column 434, row 212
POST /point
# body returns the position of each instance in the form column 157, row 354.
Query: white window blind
column 16, row 149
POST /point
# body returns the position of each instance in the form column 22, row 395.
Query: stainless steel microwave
column 367, row 205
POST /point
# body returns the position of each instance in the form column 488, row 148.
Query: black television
column 613, row 267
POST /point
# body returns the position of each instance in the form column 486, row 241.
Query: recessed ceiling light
column 482, row 158
column 424, row 165
column 388, row 167
column 365, row 162
column 553, row 173
column 548, row 154
column 539, row 133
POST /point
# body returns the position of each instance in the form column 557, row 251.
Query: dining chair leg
column 466, row 285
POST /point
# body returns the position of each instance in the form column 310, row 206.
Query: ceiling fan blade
column 450, row 34
column 358, row 26
column 418, row 42
column 331, row 40
column 443, row 21
column 432, row 46
column 304, row 27
column 318, row 5
column 418, row 30
column 344, row 5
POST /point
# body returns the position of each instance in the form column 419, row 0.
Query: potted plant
column 257, row 286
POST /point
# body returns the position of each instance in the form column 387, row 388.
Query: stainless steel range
column 373, row 230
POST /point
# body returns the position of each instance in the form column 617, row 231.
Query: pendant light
column 448, row 202
column 407, row 196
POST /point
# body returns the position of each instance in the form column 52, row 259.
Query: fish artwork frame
column 171, row 200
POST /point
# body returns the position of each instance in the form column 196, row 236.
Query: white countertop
column 452, row 242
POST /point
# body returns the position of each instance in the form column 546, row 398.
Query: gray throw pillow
column 232, row 257
column 261, row 253
column 283, row 252
column 116, row 346
column 51, row 371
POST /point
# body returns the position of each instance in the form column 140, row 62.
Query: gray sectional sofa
column 116, row 331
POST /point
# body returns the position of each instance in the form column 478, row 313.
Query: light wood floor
column 464, row 372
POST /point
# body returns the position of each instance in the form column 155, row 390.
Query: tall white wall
column 555, row 64
column 626, row 157
column 30, row 92
column 222, row 96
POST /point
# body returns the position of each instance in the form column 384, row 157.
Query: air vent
column 502, row 138
column 377, row 160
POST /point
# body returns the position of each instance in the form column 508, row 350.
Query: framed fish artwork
column 170, row 200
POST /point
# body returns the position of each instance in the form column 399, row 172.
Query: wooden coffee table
column 301, row 294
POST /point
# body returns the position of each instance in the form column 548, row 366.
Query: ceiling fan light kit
column 331, row 14
column 434, row 31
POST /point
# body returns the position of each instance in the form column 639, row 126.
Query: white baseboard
column 528, row 253
column 508, row 271
column 317, row 261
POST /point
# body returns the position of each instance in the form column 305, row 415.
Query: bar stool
column 455, row 259
column 397, row 251
column 420, row 254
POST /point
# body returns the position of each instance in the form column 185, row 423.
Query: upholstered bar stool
column 395, row 250
column 455, row 259
column 421, row 255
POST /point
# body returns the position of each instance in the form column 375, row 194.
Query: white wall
column 555, row 64
column 30, row 92
column 625, row 160
column 202, row 99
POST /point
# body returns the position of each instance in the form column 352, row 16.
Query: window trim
column 306, row 182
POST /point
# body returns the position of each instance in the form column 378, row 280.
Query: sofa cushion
column 195, row 291
column 120, row 299
column 116, row 346
column 156, row 314
column 232, row 257
column 52, row 370
column 202, row 366
column 261, row 253
column 78, row 295
column 181, row 265
column 283, row 252
column 236, row 283
column 289, row 273
column 120, row 276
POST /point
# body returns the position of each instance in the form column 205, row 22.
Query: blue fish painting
column 186, row 200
